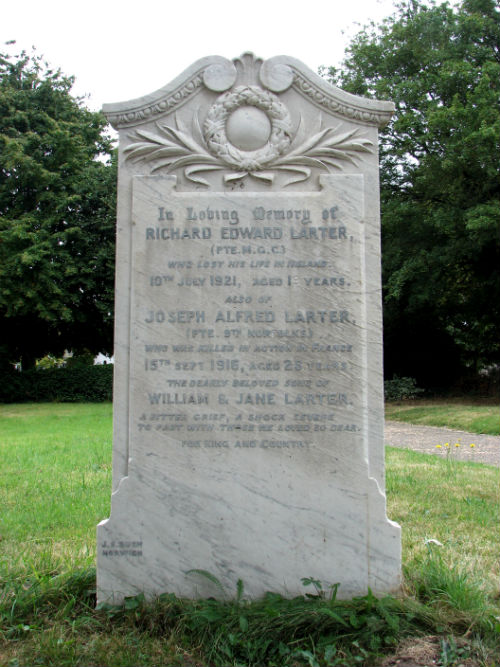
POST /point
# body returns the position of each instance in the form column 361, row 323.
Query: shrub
column 399, row 389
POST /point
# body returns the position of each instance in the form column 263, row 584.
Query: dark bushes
column 91, row 384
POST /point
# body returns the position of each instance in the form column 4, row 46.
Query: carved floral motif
column 209, row 150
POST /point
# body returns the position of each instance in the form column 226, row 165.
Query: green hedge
column 91, row 384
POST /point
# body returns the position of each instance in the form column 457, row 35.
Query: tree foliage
column 56, row 216
column 439, row 182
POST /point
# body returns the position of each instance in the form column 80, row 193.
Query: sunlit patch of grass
column 54, row 480
column 457, row 504
column 472, row 418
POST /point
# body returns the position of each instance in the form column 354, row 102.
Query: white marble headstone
column 248, row 428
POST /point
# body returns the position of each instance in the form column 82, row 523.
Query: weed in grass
column 451, row 653
column 451, row 453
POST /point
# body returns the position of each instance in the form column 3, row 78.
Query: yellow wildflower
column 472, row 444
column 439, row 446
column 457, row 444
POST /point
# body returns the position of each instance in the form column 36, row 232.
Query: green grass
column 453, row 502
column 55, row 487
column 54, row 479
column 463, row 417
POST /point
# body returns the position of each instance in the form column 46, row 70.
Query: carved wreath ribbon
column 209, row 150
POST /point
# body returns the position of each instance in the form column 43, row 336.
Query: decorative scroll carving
column 220, row 76
column 197, row 152
column 148, row 112
column 331, row 104
column 275, row 74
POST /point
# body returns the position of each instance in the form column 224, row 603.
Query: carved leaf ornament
column 211, row 149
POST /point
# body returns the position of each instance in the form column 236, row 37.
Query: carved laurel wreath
column 215, row 128
column 210, row 150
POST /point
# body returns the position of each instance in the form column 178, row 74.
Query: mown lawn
column 455, row 415
column 54, row 479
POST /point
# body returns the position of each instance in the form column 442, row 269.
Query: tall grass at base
column 456, row 598
column 452, row 503
column 55, row 620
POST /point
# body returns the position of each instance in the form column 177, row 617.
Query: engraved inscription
column 130, row 548
column 240, row 353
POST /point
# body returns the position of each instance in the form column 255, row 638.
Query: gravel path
column 426, row 438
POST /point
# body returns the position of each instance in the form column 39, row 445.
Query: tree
column 439, row 183
column 57, row 211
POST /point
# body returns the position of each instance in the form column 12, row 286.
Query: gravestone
column 248, row 393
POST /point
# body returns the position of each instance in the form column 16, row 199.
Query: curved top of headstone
column 278, row 74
